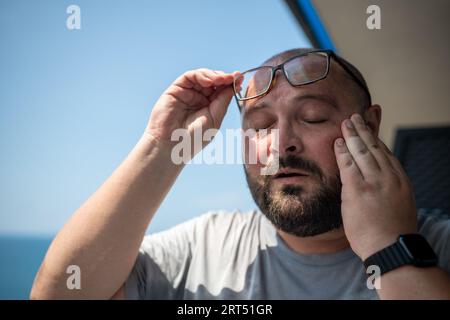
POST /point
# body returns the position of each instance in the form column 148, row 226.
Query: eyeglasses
column 300, row 70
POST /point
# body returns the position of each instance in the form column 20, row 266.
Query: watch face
column 418, row 249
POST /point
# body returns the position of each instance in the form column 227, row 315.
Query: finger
column 202, row 78
column 204, row 81
column 370, row 141
column 395, row 164
column 349, row 171
column 359, row 151
column 193, row 79
column 227, row 79
column 207, row 92
column 219, row 104
column 238, row 80
column 188, row 98
column 219, row 72
column 217, row 77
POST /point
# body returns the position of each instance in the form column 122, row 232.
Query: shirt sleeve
column 162, row 264
column 436, row 229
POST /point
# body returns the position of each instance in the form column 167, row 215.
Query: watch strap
column 389, row 258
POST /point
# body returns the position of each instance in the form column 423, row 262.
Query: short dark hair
column 363, row 97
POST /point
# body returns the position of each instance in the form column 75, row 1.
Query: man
column 339, row 202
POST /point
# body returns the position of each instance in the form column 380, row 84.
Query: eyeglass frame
column 329, row 54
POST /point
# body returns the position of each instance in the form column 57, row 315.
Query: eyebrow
column 316, row 96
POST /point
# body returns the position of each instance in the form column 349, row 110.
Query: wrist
column 376, row 241
column 408, row 249
column 157, row 151
column 376, row 245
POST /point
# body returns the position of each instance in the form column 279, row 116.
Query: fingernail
column 358, row 118
column 349, row 124
column 340, row 142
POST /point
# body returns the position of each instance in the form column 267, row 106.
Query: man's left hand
column 377, row 198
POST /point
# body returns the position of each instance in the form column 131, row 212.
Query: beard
column 290, row 209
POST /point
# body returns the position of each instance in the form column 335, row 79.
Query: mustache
column 294, row 162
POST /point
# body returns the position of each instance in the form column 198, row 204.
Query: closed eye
column 315, row 121
column 259, row 127
column 262, row 128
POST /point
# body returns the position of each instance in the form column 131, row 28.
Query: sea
column 20, row 258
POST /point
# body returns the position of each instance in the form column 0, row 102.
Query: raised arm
column 103, row 236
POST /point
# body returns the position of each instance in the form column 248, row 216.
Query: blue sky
column 74, row 103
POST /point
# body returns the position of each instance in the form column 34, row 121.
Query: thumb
column 219, row 104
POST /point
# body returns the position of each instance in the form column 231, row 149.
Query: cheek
column 259, row 150
column 320, row 149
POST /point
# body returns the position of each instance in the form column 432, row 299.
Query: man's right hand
column 198, row 98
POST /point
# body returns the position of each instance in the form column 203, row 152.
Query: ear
column 373, row 118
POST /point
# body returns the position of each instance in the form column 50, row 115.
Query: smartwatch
column 409, row 249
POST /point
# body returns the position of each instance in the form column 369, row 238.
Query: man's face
column 304, row 197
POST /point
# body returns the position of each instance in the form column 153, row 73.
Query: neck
column 329, row 242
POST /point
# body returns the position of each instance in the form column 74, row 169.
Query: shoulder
column 435, row 227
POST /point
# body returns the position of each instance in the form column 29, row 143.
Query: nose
column 289, row 140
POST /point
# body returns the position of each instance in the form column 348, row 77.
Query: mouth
column 290, row 176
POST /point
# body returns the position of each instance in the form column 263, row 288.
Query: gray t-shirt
column 236, row 255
